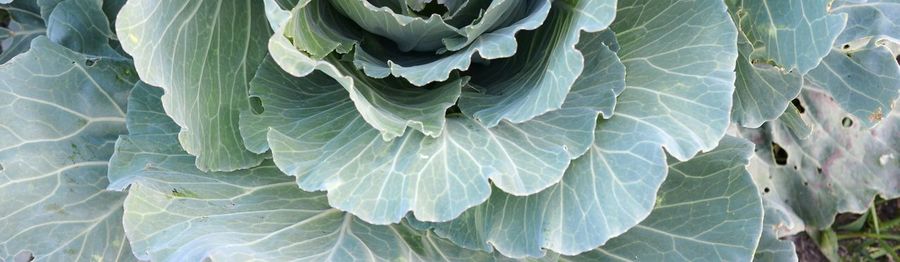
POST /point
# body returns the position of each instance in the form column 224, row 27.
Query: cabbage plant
column 438, row 130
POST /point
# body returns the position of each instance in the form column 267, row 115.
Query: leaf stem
column 843, row 236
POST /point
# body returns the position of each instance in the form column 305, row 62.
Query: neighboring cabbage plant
column 440, row 130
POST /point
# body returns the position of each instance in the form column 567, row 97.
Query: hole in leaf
column 819, row 170
column 452, row 110
column 256, row 105
column 898, row 59
column 779, row 154
column 846, row 46
column 90, row 62
column 805, row 183
column 432, row 8
column 798, row 105
column 847, row 122
column 766, row 190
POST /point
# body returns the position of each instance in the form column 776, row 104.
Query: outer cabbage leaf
column 60, row 117
column 612, row 187
column 794, row 34
column 437, row 178
column 708, row 209
column 203, row 53
column 175, row 212
column 868, row 18
column 779, row 221
column 771, row 248
column 538, row 79
column 82, row 26
column 861, row 72
column 839, row 168
column 603, row 193
column 864, row 81
column 679, row 93
column 25, row 25
column 762, row 91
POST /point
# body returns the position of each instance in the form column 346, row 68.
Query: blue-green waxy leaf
column 568, row 217
column 175, row 212
column 794, row 34
column 408, row 32
column 79, row 25
column 82, row 26
column 780, row 222
column 680, row 93
column 389, row 105
column 612, row 187
column 793, row 122
column 497, row 14
column 762, row 92
column 316, row 28
column 538, row 79
column 203, row 54
column 771, row 248
column 25, row 25
column 422, row 68
column 861, row 72
column 59, row 118
column 868, row 18
column 316, row 134
column 839, row 168
column 708, row 209
column 603, row 193
column 865, row 81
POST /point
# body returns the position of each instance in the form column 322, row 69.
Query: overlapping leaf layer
column 436, row 130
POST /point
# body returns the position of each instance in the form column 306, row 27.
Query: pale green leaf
column 203, row 53
column 771, row 248
column 389, row 105
column 708, row 209
column 861, row 71
column 603, row 193
column 612, row 187
column 794, row 34
column 317, row 28
column 82, row 26
column 436, row 178
column 379, row 59
column 175, row 212
column 868, row 18
column 25, row 25
column 538, row 79
column 678, row 92
column 59, row 119
column 838, row 168
column 410, row 33
column 762, row 91
column 793, row 122
column 864, row 81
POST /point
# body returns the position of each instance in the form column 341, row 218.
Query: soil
column 808, row 250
